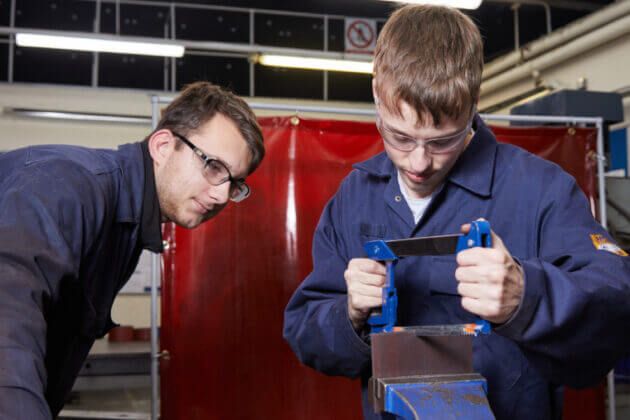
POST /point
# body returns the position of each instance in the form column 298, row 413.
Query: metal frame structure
column 598, row 122
column 233, row 49
column 207, row 48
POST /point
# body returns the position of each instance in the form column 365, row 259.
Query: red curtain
column 225, row 284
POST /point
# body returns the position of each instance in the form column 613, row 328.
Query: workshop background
column 534, row 49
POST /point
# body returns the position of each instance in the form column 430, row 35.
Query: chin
column 185, row 224
column 188, row 222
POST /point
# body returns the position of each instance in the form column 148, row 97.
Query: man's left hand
column 491, row 283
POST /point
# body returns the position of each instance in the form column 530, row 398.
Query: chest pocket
column 442, row 275
column 371, row 232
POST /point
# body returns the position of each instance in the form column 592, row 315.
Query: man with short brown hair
column 73, row 222
column 557, row 304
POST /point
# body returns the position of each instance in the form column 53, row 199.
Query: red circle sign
column 360, row 34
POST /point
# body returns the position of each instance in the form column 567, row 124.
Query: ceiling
column 495, row 19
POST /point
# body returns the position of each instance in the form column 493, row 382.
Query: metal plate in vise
column 404, row 354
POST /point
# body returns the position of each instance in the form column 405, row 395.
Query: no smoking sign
column 360, row 35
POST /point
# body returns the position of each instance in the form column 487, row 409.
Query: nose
column 220, row 193
column 419, row 159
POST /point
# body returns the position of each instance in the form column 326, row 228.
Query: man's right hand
column 365, row 279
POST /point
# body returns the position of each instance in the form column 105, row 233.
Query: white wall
column 19, row 131
column 606, row 69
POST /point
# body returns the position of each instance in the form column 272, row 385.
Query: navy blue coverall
column 571, row 324
column 73, row 222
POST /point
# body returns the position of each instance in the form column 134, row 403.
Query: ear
column 161, row 145
column 374, row 90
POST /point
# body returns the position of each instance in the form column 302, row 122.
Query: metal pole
column 155, row 277
column 325, row 96
column 612, row 406
column 97, row 29
column 165, row 62
column 610, row 378
column 11, row 43
column 307, row 108
column 517, row 43
column 547, row 16
column 600, row 173
column 370, row 111
column 541, row 118
column 173, row 59
column 117, row 17
column 252, row 65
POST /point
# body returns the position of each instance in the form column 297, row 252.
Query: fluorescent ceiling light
column 98, row 45
column 315, row 63
column 460, row 4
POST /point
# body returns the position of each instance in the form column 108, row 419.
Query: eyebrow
column 227, row 165
column 396, row 131
column 230, row 168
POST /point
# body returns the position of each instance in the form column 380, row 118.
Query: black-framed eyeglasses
column 216, row 173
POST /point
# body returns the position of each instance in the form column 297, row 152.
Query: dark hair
column 431, row 57
column 199, row 102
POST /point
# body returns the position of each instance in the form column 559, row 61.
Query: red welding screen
column 226, row 284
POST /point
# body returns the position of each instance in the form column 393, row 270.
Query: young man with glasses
column 73, row 222
column 557, row 301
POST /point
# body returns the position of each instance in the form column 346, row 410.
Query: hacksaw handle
column 479, row 235
column 383, row 320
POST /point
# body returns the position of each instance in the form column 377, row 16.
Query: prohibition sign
column 360, row 34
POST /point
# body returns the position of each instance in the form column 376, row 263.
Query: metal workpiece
column 403, row 353
column 473, row 328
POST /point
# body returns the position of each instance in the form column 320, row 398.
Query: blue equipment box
column 574, row 103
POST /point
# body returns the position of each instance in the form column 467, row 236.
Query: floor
column 136, row 404
column 132, row 400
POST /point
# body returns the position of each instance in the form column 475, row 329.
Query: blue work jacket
column 69, row 240
column 571, row 324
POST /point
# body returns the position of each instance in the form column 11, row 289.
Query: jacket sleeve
column 35, row 258
column 572, row 323
column 316, row 323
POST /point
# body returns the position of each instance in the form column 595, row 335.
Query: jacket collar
column 379, row 165
column 129, row 206
column 473, row 171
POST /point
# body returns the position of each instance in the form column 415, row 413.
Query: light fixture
column 459, row 4
column 96, row 44
column 353, row 66
column 77, row 116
